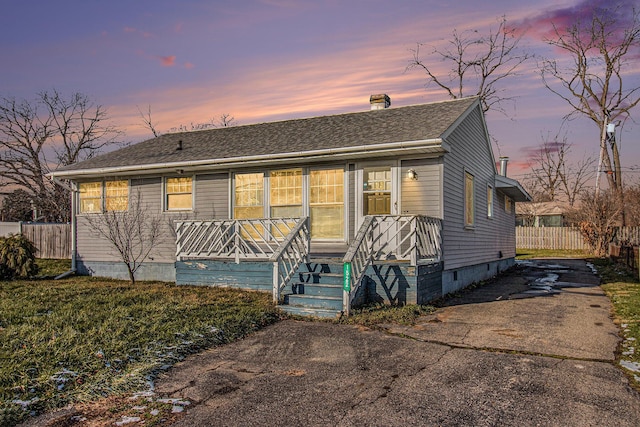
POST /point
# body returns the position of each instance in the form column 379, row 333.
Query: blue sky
column 266, row 60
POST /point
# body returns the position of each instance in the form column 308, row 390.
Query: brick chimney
column 380, row 101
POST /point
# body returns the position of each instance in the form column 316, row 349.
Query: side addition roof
column 411, row 129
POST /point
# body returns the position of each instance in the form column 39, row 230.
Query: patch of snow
column 523, row 262
column 632, row 366
column 176, row 409
column 25, row 403
column 593, row 268
column 554, row 266
column 154, row 412
column 549, row 278
column 61, row 377
column 128, row 420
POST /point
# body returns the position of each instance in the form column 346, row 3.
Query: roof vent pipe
column 503, row 165
column 380, row 101
column 179, row 147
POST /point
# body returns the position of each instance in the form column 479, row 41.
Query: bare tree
column 478, row 63
column 133, row 233
column 593, row 83
column 148, row 123
column 224, row 120
column 39, row 136
column 553, row 177
column 632, row 205
column 17, row 206
column 597, row 218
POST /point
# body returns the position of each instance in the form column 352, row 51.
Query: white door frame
column 359, row 190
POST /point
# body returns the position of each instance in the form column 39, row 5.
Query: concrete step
column 317, row 289
column 313, row 301
column 320, row 267
column 311, row 312
column 321, row 278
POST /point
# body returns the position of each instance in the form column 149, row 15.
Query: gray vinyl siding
column 92, row 247
column 211, row 199
column 466, row 246
column 424, row 195
column 505, row 229
column 212, row 196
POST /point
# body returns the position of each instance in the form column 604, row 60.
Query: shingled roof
column 368, row 129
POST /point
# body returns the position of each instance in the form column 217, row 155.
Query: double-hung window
column 469, row 200
column 101, row 196
column 326, row 203
column 179, row 193
column 290, row 193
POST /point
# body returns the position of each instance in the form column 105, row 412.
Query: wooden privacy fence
column 550, row 238
column 51, row 240
column 568, row 238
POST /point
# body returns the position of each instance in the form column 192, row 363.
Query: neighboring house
column 541, row 214
column 400, row 205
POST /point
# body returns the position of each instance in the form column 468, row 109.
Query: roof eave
column 431, row 147
column 512, row 188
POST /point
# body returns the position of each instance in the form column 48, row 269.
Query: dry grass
column 82, row 339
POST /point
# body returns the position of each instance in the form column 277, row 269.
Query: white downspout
column 73, row 189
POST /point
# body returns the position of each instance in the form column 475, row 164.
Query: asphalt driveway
column 537, row 347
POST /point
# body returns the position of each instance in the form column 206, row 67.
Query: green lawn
column 549, row 253
column 81, row 339
column 623, row 289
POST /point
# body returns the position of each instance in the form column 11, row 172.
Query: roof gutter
column 342, row 152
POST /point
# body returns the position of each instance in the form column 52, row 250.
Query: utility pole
column 603, row 146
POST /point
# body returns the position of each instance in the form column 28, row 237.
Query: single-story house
column 401, row 205
column 542, row 214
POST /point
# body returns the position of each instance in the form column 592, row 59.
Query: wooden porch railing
column 235, row 239
column 290, row 254
column 285, row 242
column 414, row 238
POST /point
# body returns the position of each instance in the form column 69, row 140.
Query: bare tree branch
column 593, row 83
column 39, row 136
column 133, row 233
column 478, row 64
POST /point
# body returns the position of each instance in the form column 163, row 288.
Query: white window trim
column 472, row 225
column 103, row 196
column 165, row 207
column 306, row 208
column 490, row 203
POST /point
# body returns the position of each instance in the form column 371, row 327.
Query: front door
column 378, row 197
column 377, row 191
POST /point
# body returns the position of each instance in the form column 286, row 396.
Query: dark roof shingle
column 411, row 123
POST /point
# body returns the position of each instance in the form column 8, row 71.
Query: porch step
column 318, row 289
column 311, row 312
column 314, row 301
column 323, row 278
column 318, row 293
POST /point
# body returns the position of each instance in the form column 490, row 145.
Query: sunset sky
column 264, row 60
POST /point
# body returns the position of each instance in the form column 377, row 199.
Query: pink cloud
column 178, row 27
column 541, row 25
column 129, row 30
column 167, row 61
column 188, row 65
